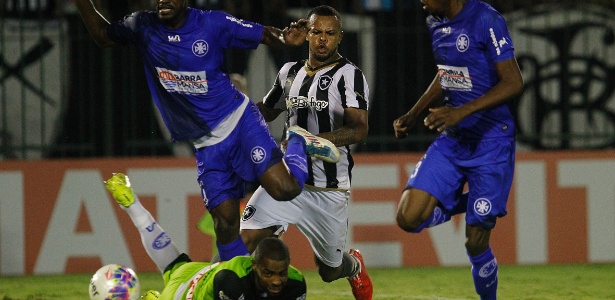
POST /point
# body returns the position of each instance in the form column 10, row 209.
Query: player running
column 477, row 76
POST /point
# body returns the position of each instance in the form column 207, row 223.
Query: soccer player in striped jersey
column 327, row 96
column 182, row 53
column 267, row 274
column 477, row 76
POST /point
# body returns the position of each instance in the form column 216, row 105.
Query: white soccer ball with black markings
column 114, row 282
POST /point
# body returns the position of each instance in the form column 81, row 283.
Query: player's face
column 324, row 35
column 172, row 12
column 271, row 275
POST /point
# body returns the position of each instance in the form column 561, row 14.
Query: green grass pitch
column 578, row 282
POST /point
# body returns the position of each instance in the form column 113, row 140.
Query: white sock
column 155, row 240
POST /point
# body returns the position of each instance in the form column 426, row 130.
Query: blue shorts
column 486, row 166
column 224, row 168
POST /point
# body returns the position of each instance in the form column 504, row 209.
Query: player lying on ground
column 267, row 274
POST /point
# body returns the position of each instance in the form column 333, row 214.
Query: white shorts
column 321, row 215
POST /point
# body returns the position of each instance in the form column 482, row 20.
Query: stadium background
column 72, row 113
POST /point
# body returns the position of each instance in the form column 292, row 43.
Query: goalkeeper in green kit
column 267, row 274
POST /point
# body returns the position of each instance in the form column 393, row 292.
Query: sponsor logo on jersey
column 305, row 102
column 200, row 48
column 161, row 241
column 183, row 82
column 487, row 269
column 455, row 78
column 258, row 154
column 463, row 43
column 446, row 30
column 324, row 82
column 174, row 38
column 238, row 21
column 248, row 212
column 482, row 206
column 496, row 44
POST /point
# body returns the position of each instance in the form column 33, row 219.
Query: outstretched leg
column 155, row 240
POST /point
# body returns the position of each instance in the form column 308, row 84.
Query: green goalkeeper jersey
column 229, row 280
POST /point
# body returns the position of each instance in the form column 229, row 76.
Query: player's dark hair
column 325, row 10
column 272, row 248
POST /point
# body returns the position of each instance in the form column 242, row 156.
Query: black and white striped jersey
column 315, row 99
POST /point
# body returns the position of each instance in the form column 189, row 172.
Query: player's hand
column 402, row 125
column 295, row 34
column 441, row 118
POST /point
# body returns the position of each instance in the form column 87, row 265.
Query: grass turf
column 578, row 282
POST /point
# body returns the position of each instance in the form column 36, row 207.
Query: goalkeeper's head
column 270, row 261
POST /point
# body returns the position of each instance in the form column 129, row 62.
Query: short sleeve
column 496, row 37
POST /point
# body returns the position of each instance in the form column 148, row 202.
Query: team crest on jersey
column 248, row 212
column 258, row 154
column 463, row 43
column 482, row 206
column 200, row 48
column 324, row 82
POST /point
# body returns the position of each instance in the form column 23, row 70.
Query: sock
column 296, row 159
column 232, row 249
column 441, row 215
column 351, row 264
column 485, row 274
column 155, row 240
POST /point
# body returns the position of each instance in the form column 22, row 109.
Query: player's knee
column 408, row 223
column 251, row 237
column 477, row 242
column 249, row 242
column 474, row 248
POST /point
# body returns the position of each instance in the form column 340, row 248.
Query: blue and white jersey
column 184, row 67
column 466, row 50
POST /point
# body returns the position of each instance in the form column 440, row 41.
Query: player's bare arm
column 402, row 124
column 94, row 22
column 354, row 130
column 269, row 114
column 509, row 86
column 292, row 36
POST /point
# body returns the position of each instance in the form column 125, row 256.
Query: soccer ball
column 114, row 282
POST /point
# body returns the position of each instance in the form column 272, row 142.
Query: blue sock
column 441, row 215
column 234, row 248
column 296, row 159
column 485, row 274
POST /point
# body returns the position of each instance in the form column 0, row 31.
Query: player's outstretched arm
column 94, row 22
column 292, row 36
